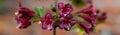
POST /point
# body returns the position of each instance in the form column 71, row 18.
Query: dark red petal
column 65, row 9
column 62, row 19
column 90, row 10
column 90, row 18
column 68, row 5
column 44, row 25
column 61, row 26
column 47, row 21
column 102, row 16
column 87, row 27
column 72, row 22
column 23, row 23
column 67, row 26
column 60, row 5
column 49, row 27
column 23, row 16
column 25, row 12
column 48, row 15
column 53, row 9
column 69, row 16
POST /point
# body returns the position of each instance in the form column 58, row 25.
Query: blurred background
column 8, row 23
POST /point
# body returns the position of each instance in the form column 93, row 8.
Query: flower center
column 48, row 21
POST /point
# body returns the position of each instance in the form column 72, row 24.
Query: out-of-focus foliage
column 79, row 29
column 3, row 9
column 78, row 3
column 1, row 3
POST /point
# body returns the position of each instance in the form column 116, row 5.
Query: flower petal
column 49, row 27
column 102, row 16
column 44, row 26
column 67, row 26
column 60, row 5
column 61, row 26
column 87, row 27
column 73, row 22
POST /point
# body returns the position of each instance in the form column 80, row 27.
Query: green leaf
column 40, row 11
column 32, row 19
column 80, row 19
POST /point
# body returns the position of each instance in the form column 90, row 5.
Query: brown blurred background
column 8, row 23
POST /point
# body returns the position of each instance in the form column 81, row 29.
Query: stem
column 54, row 31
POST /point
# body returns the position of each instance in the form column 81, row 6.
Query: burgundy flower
column 65, row 8
column 65, row 16
column 90, row 10
column 23, row 16
column 66, row 23
column 92, row 19
column 48, row 21
column 91, row 15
